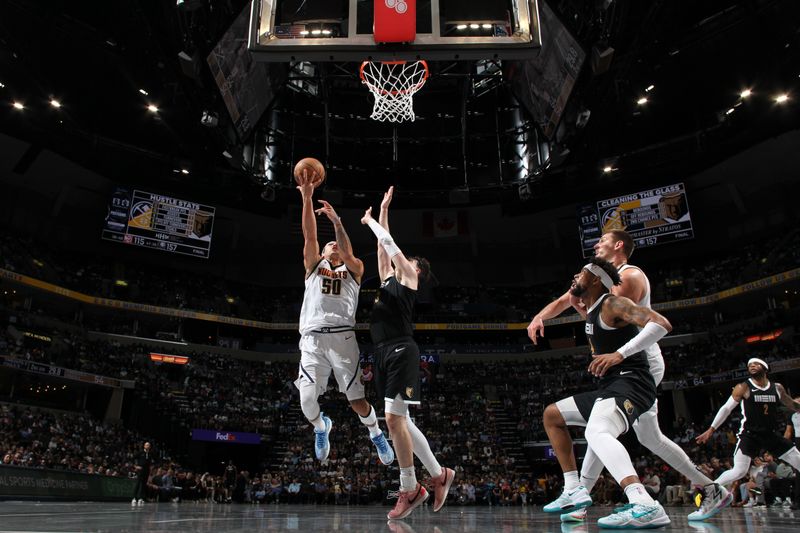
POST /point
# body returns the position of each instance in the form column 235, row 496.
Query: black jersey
column 603, row 341
column 393, row 311
column 760, row 409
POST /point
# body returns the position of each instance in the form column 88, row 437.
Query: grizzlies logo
column 628, row 406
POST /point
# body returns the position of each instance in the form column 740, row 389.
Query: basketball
column 313, row 167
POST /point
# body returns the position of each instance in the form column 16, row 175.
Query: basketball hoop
column 393, row 83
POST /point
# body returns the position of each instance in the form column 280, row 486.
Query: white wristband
column 650, row 334
column 384, row 237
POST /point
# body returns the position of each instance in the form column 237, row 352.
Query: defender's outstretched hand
column 367, row 216
column 328, row 210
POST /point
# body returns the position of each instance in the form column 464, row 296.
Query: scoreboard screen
column 651, row 217
column 150, row 220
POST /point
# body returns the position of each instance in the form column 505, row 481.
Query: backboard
column 343, row 30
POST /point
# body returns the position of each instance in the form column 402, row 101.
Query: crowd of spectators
column 166, row 286
column 75, row 442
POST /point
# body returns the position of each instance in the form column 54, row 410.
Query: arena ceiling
column 105, row 66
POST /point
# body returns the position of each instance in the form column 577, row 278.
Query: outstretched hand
column 306, row 184
column 328, row 210
column 387, row 198
column 367, row 216
column 704, row 436
column 536, row 329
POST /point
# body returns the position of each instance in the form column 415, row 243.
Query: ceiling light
column 55, row 103
column 642, row 100
column 745, row 93
column 326, row 32
column 608, row 169
column 781, row 98
column 474, row 26
column 650, row 88
column 729, row 111
column 486, row 26
column 2, row 85
column 143, row 92
column 152, row 108
column 184, row 171
column 18, row 105
column 303, row 32
column 461, row 27
column 316, row 32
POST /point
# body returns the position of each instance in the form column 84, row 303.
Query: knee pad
column 605, row 418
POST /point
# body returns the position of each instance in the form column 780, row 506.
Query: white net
column 393, row 84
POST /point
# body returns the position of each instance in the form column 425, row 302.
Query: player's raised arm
column 352, row 262
column 404, row 270
column 309, row 223
column 384, row 261
column 551, row 310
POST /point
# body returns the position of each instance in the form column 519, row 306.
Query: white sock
column 571, row 480
column 318, row 423
column 636, row 493
column 371, row 421
column 408, row 479
column 423, row 450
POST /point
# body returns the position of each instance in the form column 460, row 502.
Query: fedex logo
column 227, row 437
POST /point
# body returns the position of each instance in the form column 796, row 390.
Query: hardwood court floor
column 194, row 517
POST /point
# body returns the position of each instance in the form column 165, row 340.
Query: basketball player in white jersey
column 616, row 247
column 793, row 433
column 327, row 321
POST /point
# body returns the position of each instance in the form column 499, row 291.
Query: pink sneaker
column 441, row 486
column 407, row 501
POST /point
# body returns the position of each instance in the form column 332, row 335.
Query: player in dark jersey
column 397, row 365
column 626, row 390
column 759, row 400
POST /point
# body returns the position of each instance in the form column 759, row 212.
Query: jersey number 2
column 331, row 286
column 766, row 409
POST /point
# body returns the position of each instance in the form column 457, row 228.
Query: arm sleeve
column 650, row 334
column 384, row 237
column 724, row 412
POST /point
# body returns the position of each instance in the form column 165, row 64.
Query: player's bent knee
column 552, row 416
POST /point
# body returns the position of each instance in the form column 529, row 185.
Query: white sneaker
column 141, row 502
column 637, row 516
column 750, row 503
column 133, row 501
column 322, row 443
column 715, row 498
column 570, row 500
column 577, row 516
column 777, row 502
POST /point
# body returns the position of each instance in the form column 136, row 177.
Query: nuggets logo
column 410, row 392
column 141, row 215
column 628, row 407
column 398, row 5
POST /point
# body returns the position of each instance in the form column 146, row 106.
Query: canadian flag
column 440, row 224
